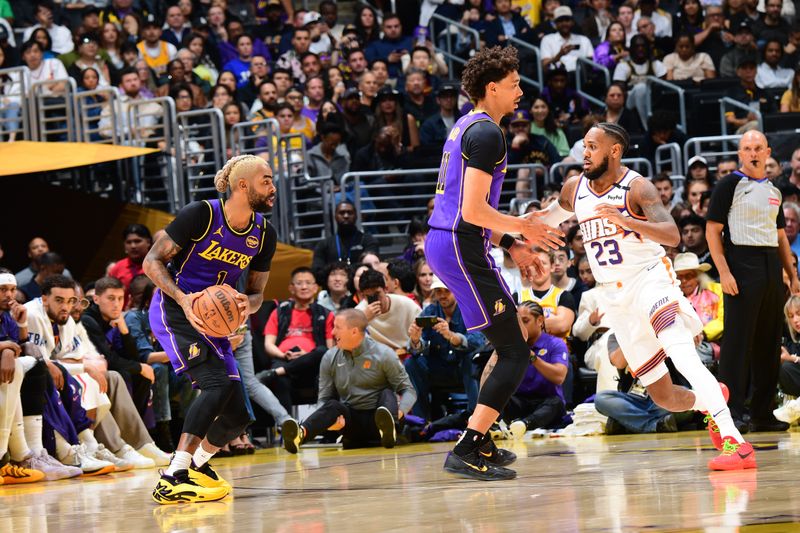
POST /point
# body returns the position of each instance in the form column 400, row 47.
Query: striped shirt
column 750, row 210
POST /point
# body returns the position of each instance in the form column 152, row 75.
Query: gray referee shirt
column 749, row 209
column 359, row 377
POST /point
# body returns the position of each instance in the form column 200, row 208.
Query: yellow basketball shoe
column 205, row 476
column 180, row 489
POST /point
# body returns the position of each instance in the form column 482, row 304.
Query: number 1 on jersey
column 221, row 277
column 442, row 173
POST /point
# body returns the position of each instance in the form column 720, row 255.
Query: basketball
column 217, row 310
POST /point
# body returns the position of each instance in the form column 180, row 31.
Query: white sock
column 180, row 461
column 87, row 439
column 201, row 456
column 63, row 448
column 33, row 432
column 17, row 445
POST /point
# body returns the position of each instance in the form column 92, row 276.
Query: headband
column 8, row 279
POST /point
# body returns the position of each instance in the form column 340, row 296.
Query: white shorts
column 91, row 397
column 639, row 309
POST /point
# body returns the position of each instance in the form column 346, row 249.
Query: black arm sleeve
column 722, row 198
column 190, row 223
column 263, row 259
column 484, row 146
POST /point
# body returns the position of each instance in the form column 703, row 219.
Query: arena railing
column 639, row 164
column 89, row 107
column 386, row 206
column 652, row 80
column 444, row 41
column 51, row 110
column 585, row 66
column 201, row 134
column 668, row 159
column 725, row 102
column 535, row 61
column 14, row 88
column 158, row 177
column 712, row 148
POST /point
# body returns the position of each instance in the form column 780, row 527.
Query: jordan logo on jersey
column 219, row 231
column 597, row 228
column 215, row 251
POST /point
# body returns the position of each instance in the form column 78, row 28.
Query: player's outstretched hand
column 613, row 215
column 528, row 262
column 186, row 304
column 537, row 233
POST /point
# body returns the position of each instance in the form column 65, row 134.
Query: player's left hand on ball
column 613, row 214
column 243, row 302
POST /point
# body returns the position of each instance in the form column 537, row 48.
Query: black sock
column 468, row 443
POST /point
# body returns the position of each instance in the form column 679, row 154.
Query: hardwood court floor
column 618, row 484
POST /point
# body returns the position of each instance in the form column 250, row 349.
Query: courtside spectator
column 390, row 316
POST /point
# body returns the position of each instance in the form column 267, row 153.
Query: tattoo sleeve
column 488, row 368
column 254, row 288
column 155, row 266
column 649, row 201
column 659, row 226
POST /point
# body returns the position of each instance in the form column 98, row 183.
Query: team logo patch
column 542, row 352
column 367, row 364
column 251, row 241
column 194, row 350
column 774, row 201
column 499, row 307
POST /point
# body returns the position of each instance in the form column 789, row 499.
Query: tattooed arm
column 645, row 201
column 254, row 289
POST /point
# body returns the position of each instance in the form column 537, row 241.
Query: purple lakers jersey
column 450, row 184
column 220, row 253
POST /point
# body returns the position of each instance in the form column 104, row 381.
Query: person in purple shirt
column 464, row 225
column 539, row 400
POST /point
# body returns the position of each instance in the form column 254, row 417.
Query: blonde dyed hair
column 241, row 164
column 792, row 306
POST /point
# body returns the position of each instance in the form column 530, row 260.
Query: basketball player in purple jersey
column 624, row 223
column 464, row 225
column 210, row 243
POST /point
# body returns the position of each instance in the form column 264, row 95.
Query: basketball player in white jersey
column 624, row 223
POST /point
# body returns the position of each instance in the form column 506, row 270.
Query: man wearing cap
column 415, row 101
column 706, row 298
column 698, row 169
column 321, row 43
column 156, row 52
column 564, row 46
column 441, row 352
column 744, row 45
column 359, row 122
column 526, row 147
column 746, row 212
column 435, row 128
column 747, row 93
column 60, row 35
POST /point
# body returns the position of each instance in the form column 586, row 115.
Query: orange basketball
column 217, row 310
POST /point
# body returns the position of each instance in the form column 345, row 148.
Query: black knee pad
column 232, row 420
column 513, row 356
column 207, row 407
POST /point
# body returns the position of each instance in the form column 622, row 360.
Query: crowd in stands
column 372, row 93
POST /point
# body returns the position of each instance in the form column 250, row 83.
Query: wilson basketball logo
column 225, row 302
column 251, row 241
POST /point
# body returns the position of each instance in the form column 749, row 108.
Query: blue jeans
column 9, row 118
column 167, row 383
column 429, row 374
column 257, row 391
column 637, row 414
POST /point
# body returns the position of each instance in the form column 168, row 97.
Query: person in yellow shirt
column 790, row 101
column 558, row 304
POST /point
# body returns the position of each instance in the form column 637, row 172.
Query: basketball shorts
column 186, row 347
column 640, row 308
column 463, row 263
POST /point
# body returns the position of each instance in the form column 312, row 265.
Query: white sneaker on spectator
column 135, row 458
column 52, row 469
column 151, row 451
column 518, row 429
column 120, row 464
column 89, row 465
column 788, row 412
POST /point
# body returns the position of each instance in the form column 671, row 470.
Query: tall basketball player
column 209, row 243
column 464, row 225
column 624, row 223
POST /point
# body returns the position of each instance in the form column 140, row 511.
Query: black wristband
column 507, row 241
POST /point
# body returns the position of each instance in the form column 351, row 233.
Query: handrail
column 38, row 113
column 539, row 83
column 579, row 76
column 727, row 101
column 448, row 52
column 82, row 122
column 673, row 158
column 681, row 100
column 631, row 161
column 24, row 110
column 696, row 142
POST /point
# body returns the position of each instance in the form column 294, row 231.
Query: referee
column 746, row 237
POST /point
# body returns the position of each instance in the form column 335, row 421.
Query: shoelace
column 14, row 471
column 729, row 448
column 711, row 424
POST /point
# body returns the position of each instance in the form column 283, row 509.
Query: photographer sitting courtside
column 366, row 377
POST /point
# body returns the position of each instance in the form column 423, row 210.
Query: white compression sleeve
column 555, row 215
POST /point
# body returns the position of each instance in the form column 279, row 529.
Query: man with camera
column 441, row 351
column 389, row 315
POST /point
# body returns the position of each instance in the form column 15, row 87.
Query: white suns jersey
column 614, row 253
